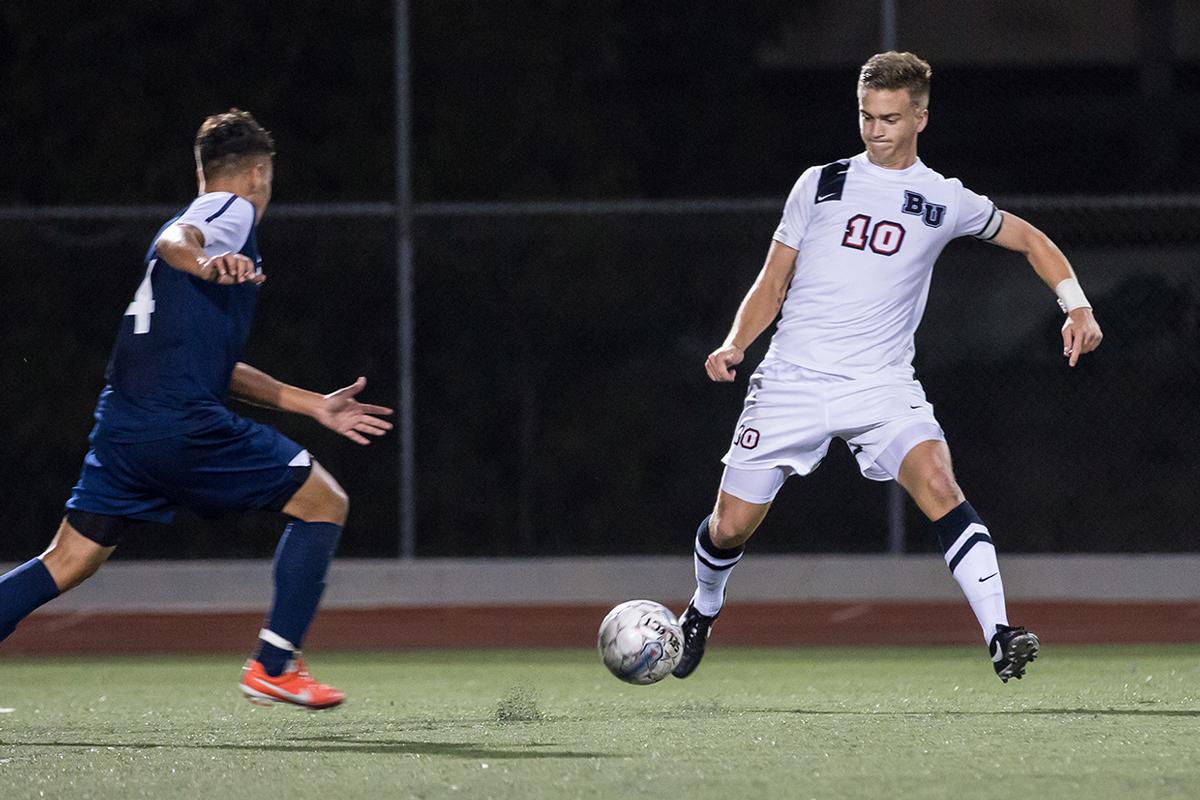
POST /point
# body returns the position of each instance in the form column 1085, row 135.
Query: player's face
column 889, row 124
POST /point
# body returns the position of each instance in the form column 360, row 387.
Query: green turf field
column 823, row 723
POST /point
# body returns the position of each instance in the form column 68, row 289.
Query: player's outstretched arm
column 339, row 411
column 1080, row 333
column 182, row 246
column 759, row 308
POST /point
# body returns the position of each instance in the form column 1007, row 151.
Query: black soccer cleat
column 696, row 628
column 1012, row 648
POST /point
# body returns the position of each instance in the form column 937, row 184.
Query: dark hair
column 892, row 71
column 225, row 139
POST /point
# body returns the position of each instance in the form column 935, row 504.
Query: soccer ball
column 640, row 641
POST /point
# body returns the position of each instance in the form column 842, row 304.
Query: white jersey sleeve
column 977, row 216
column 223, row 218
column 797, row 210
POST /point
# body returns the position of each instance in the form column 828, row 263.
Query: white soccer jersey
column 867, row 239
column 223, row 218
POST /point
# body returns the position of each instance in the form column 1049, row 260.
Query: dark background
column 561, row 404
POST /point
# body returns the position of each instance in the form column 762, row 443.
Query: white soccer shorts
column 793, row 413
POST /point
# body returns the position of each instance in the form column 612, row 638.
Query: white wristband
column 1070, row 295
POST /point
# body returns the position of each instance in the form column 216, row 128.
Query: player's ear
column 260, row 175
column 922, row 119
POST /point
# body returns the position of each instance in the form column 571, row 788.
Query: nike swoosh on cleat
column 989, row 577
column 302, row 697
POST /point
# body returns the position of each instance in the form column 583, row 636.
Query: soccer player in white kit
column 850, row 266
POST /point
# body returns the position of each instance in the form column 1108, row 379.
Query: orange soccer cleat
column 294, row 685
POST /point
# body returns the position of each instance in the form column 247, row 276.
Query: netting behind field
column 561, row 402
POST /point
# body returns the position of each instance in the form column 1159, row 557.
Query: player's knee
column 83, row 571
column 72, row 557
column 341, row 503
column 943, row 488
column 320, row 499
column 68, row 568
column 726, row 532
column 333, row 504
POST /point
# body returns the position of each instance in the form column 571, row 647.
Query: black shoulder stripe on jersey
column 221, row 210
column 832, row 181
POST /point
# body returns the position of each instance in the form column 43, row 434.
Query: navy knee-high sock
column 301, row 561
column 21, row 591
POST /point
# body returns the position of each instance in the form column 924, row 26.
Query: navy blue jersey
column 181, row 336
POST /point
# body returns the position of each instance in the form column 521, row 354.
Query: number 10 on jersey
column 884, row 238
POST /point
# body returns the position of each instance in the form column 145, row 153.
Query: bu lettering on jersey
column 930, row 213
column 181, row 336
column 867, row 239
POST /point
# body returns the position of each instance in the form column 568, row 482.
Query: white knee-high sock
column 713, row 565
column 971, row 556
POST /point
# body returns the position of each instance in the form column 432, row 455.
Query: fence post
column 405, row 441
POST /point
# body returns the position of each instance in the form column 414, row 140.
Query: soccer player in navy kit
column 164, row 437
column 848, row 272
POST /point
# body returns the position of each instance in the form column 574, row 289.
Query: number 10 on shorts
column 746, row 437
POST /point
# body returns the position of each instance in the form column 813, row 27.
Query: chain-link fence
column 561, row 403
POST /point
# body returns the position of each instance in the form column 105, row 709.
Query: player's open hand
column 340, row 411
column 1081, row 334
column 228, row 269
column 721, row 362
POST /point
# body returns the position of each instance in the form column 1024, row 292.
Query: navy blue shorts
column 238, row 466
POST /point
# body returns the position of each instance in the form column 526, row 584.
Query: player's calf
column 22, row 591
column 970, row 555
column 301, row 562
column 302, row 559
column 70, row 559
column 713, row 565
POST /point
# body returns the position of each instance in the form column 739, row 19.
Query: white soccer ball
column 640, row 641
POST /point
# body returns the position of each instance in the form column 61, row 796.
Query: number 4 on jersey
column 885, row 238
column 143, row 302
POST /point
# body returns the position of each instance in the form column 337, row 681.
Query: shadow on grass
column 338, row 744
column 1049, row 712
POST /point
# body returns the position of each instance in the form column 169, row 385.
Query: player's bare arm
column 1080, row 333
column 759, row 309
column 339, row 411
column 182, row 246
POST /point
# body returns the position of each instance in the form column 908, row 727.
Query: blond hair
column 893, row 71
